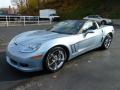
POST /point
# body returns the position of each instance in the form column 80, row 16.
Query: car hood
column 36, row 37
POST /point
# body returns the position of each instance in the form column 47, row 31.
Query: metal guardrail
column 22, row 20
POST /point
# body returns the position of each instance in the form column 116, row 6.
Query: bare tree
column 18, row 2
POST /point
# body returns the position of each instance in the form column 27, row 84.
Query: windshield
column 53, row 14
column 94, row 16
column 67, row 27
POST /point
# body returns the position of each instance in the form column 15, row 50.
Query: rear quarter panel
column 107, row 29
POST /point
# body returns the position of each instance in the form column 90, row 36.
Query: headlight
column 34, row 47
column 30, row 48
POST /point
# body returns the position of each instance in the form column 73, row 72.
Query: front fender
column 45, row 47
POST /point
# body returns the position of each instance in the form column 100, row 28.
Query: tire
column 55, row 59
column 103, row 22
column 107, row 42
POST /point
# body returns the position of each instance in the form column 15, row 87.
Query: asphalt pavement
column 95, row 70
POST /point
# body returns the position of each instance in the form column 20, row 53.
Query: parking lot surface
column 95, row 70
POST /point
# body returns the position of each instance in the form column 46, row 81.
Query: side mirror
column 88, row 31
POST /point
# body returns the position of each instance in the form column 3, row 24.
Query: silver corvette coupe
column 50, row 49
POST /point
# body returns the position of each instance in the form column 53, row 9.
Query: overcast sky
column 5, row 3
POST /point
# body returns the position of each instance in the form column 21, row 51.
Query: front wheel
column 55, row 59
column 107, row 42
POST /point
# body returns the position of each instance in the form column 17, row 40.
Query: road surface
column 95, row 70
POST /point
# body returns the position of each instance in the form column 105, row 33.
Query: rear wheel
column 55, row 59
column 103, row 22
column 107, row 42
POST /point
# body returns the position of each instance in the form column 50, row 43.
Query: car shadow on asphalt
column 8, row 73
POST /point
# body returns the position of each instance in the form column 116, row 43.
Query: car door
column 91, row 35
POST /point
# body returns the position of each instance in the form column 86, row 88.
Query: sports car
column 49, row 49
column 99, row 19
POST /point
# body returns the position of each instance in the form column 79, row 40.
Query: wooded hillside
column 76, row 9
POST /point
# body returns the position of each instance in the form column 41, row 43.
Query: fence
column 22, row 20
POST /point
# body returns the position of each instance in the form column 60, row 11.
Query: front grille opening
column 19, row 64
column 13, row 61
column 23, row 65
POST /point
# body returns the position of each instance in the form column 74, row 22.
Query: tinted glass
column 94, row 16
column 89, row 26
column 67, row 27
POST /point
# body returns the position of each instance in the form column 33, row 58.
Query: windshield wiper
column 61, row 32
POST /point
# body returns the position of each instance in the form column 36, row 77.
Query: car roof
column 82, row 21
column 78, row 21
column 93, row 15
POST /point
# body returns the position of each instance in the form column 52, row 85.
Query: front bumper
column 24, row 67
column 23, row 61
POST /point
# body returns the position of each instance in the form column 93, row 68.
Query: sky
column 5, row 3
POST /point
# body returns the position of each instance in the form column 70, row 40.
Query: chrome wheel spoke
column 61, row 56
column 49, row 64
column 107, row 42
column 56, row 66
column 50, row 56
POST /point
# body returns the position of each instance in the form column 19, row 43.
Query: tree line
column 32, row 7
column 72, row 9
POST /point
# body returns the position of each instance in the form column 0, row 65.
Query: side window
column 94, row 27
column 92, row 16
column 95, row 16
column 89, row 26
